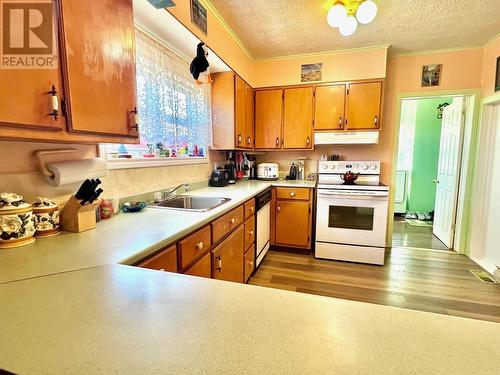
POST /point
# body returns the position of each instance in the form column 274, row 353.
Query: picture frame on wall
column 431, row 75
column 199, row 16
column 497, row 76
column 311, row 72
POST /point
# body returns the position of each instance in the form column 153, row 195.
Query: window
column 174, row 112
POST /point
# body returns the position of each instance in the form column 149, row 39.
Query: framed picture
column 431, row 75
column 199, row 16
column 311, row 72
column 497, row 77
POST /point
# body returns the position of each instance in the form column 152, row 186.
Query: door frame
column 477, row 230
column 467, row 164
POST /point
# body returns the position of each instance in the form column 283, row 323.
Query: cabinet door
column 268, row 115
column 165, row 260
column 240, row 113
column 363, row 105
column 202, row 267
column 249, row 262
column 292, row 223
column 24, row 95
column 329, row 107
column 99, row 61
column 227, row 258
column 298, row 118
column 249, row 119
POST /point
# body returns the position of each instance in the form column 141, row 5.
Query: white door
column 450, row 152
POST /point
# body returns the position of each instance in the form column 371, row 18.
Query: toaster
column 267, row 171
column 219, row 178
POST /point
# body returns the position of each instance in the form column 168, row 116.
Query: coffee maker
column 252, row 167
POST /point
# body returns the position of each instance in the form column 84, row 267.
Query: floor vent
column 483, row 276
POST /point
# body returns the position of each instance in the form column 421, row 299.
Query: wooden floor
column 425, row 280
column 405, row 235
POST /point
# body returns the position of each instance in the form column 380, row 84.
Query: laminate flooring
column 418, row 279
column 405, row 235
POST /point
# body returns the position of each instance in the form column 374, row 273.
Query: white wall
column 485, row 234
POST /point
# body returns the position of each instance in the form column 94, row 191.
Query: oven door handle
column 377, row 196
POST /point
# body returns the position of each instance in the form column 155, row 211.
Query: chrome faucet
column 170, row 193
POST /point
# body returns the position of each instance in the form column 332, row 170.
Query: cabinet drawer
column 293, row 193
column 249, row 232
column 225, row 224
column 202, row 268
column 194, row 245
column 249, row 263
column 165, row 260
column 249, row 208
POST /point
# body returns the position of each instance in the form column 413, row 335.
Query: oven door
column 351, row 219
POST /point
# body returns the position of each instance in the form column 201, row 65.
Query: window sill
column 153, row 162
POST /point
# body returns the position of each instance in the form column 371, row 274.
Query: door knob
column 199, row 245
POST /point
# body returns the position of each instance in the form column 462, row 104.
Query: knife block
column 77, row 218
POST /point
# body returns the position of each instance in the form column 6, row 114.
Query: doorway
column 428, row 171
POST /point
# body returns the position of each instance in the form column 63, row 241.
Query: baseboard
column 294, row 250
column 490, row 267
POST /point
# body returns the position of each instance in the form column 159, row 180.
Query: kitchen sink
column 191, row 203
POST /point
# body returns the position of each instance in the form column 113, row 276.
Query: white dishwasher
column 263, row 225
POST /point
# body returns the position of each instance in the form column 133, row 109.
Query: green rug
column 419, row 223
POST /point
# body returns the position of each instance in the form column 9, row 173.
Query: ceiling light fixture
column 346, row 14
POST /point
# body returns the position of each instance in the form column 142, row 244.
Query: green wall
column 422, row 192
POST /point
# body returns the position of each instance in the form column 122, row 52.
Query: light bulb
column 366, row 12
column 348, row 26
column 336, row 15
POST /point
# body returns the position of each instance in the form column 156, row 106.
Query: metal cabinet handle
column 250, row 262
column 162, row 269
column 232, row 220
column 250, row 233
column 54, row 103
column 239, row 138
column 435, row 182
column 375, row 121
column 135, row 118
column 292, row 194
column 249, row 140
column 252, row 208
column 199, row 245
column 308, row 140
column 346, row 121
column 340, row 121
column 219, row 263
column 277, row 141
column 278, row 208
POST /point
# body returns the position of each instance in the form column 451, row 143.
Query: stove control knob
column 365, row 167
column 373, row 167
column 332, row 166
column 324, row 166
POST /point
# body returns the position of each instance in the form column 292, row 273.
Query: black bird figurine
column 200, row 65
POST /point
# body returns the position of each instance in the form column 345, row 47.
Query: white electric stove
column 351, row 219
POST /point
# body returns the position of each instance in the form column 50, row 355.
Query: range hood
column 346, row 138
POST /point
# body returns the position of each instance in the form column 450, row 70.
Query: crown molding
column 226, row 27
column 492, row 40
column 323, row 53
column 433, row 51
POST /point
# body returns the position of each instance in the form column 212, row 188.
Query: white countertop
column 125, row 320
column 125, row 238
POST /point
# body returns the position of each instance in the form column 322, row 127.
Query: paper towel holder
column 39, row 154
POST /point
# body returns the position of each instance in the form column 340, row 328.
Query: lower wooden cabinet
column 249, row 263
column 293, row 217
column 165, row 260
column 227, row 258
column 202, row 267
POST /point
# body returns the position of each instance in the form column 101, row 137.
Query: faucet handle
column 187, row 187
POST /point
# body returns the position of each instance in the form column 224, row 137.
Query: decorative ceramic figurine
column 46, row 217
column 17, row 223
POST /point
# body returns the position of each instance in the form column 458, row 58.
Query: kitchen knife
column 95, row 195
column 84, row 188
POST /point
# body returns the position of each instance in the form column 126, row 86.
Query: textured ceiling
column 289, row 27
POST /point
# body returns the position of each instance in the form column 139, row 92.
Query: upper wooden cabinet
column 232, row 112
column 268, row 118
column 99, row 62
column 298, row 118
column 363, row 107
column 329, row 107
column 94, row 79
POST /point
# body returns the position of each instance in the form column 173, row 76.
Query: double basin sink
column 191, row 203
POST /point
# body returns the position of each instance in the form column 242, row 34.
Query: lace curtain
column 173, row 110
